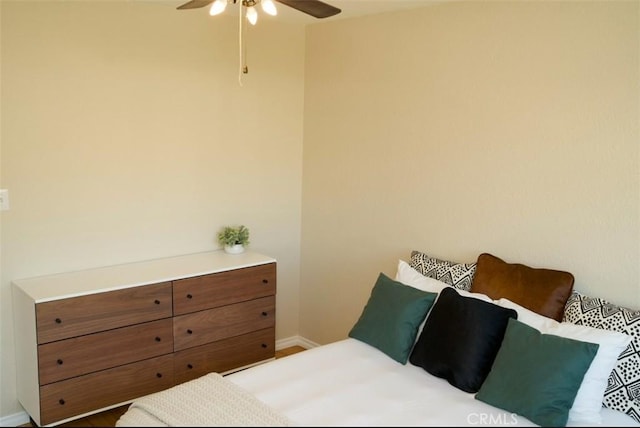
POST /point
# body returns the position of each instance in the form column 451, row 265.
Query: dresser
column 95, row 339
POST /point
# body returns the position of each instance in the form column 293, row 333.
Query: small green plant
column 230, row 235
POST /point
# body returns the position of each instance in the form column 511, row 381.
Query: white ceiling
column 350, row 9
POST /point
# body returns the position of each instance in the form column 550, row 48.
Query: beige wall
column 469, row 127
column 503, row 127
column 126, row 136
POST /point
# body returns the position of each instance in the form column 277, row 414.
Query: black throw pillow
column 461, row 338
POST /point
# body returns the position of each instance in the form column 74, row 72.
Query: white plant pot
column 234, row 249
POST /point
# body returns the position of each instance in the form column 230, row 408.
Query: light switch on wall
column 4, row 199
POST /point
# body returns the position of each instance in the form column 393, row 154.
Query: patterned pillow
column 458, row 275
column 623, row 389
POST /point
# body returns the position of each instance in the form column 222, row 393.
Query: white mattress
column 349, row 383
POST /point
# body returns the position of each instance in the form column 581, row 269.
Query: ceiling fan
column 315, row 8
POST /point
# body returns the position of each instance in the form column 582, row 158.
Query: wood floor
column 108, row 418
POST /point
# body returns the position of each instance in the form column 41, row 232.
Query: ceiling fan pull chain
column 240, row 44
column 245, row 68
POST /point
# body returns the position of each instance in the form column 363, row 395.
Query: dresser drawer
column 86, row 393
column 225, row 355
column 218, row 289
column 85, row 354
column 61, row 319
column 212, row 325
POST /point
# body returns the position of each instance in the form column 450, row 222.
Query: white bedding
column 232, row 405
column 349, row 383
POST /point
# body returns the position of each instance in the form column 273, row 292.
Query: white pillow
column 588, row 402
column 411, row 277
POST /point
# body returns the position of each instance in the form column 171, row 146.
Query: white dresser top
column 108, row 278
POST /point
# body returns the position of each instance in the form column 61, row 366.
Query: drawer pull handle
column 265, row 281
column 264, row 314
column 264, row 345
column 59, row 362
column 58, row 321
column 189, row 331
column 61, row 401
column 190, row 366
column 157, row 302
column 158, row 339
column 158, row 375
column 189, row 296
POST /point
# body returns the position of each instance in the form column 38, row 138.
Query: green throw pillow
column 537, row 375
column 391, row 317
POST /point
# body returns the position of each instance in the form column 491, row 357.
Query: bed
column 408, row 362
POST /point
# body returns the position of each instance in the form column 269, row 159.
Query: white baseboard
column 14, row 420
column 22, row 418
column 295, row 341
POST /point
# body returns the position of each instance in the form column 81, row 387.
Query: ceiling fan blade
column 194, row 4
column 315, row 8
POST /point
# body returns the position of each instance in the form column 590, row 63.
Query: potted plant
column 234, row 239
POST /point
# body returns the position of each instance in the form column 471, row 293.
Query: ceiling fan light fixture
column 315, row 8
column 252, row 15
column 269, row 7
column 217, row 7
